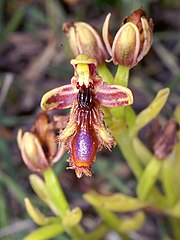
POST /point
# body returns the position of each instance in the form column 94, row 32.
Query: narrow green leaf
column 168, row 180
column 148, row 179
column 45, row 232
column 42, row 192
column 12, row 24
column 4, row 218
column 13, row 187
column 125, row 144
column 148, row 114
column 34, row 213
column 1, row 14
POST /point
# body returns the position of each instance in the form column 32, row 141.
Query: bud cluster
column 130, row 44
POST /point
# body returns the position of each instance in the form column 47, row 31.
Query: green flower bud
column 132, row 41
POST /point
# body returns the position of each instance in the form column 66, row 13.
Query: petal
column 114, row 95
column 59, row 98
column 126, row 45
column 148, row 37
column 105, row 34
column 32, row 152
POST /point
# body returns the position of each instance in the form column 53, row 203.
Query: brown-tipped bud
column 133, row 40
column 166, row 140
column 84, row 39
column 38, row 147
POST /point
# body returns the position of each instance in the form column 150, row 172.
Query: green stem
column 56, row 191
column 104, row 72
column 122, row 76
column 168, row 181
column 126, row 146
column 60, row 201
column 143, row 153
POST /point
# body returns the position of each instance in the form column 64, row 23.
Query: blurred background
column 34, row 58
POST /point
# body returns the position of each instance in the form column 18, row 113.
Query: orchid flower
column 85, row 133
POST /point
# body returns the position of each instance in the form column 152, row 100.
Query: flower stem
column 56, row 191
column 125, row 143
column 60, row 201
column 122, row 76
column 104, row 72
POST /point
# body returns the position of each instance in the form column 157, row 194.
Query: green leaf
column 117, row 202
column 125, row 144
column 12, row 24
column 168, row 180
column 148, row 114
column 72, row 217
column 12, row 186
column 133, row 223
column 4, row 218
column 34, row 213
column 45, row 232
column 148, row 179
column 142, row 152
column 41, row 190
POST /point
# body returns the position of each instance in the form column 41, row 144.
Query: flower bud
column 32, row 152
column 132, row 41
column 166, row 140
column 84, row 39
column 38, row 147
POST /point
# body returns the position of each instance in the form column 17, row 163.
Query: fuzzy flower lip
column 132, row 41
column 85, row 133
